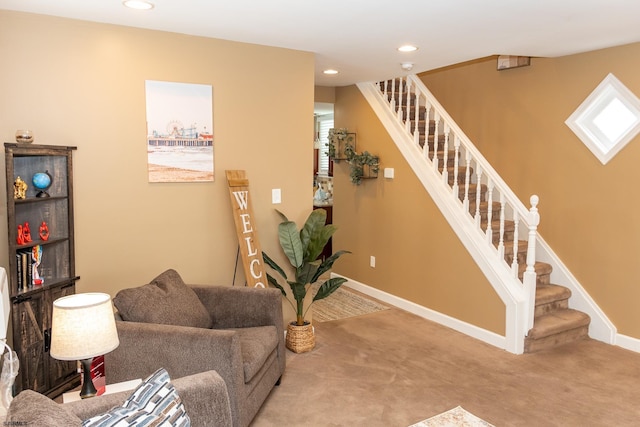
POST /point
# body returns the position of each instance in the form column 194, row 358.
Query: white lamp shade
column 82, row 327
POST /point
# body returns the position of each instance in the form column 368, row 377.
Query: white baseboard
column 426, row 313
column 623, row 341
column 628, row 343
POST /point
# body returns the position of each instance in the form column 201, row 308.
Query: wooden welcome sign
column 247, row 236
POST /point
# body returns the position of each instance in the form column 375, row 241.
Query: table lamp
column 82, row 327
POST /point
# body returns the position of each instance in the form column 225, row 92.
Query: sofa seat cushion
column 165, row 300
column 30, row 408
column 256, row 344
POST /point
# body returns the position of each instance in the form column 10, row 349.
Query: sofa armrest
column 241, row 307
column 204, row 396
column 181, row 350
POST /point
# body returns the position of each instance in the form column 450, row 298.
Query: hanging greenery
column 364, row 165
column 341, row 146
column 340, row 142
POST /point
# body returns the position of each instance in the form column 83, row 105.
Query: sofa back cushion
column 165, row 300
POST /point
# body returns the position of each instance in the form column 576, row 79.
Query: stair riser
column 403, row 101
column 412, row 112
column 441, row 143
column 543, row 309
column 532, row 346
column 472, row 192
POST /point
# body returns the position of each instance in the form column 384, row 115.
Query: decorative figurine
column 24, row 136
column 37, row 259
column 19, row 189
column 20, row 238
column 44, row 231
column 26, row 232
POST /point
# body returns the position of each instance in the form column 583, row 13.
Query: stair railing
column 428, row 132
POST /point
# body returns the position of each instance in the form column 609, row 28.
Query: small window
column 324, row 124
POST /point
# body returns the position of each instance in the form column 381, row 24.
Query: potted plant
column 303, row 248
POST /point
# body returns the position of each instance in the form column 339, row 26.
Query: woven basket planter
column 300, row 339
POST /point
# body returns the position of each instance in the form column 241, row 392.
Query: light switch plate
column 276, row 196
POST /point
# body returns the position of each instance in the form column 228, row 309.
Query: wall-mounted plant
column 363, row 166
column 340, row 143
column 342, row 146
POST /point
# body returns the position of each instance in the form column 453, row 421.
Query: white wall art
column 179, row 131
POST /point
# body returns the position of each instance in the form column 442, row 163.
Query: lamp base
column 88, row 389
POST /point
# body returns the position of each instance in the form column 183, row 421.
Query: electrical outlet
column 372, row 262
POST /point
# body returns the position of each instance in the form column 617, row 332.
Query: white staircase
column 477, row 203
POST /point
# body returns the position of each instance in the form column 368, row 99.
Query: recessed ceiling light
column 330, row 71
column 407, row 48
column 138, row 4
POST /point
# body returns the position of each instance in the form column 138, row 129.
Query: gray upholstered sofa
column 236, row 331
column 204, row 396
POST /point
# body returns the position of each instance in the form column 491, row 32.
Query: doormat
column 343, row 304
column 456, row 417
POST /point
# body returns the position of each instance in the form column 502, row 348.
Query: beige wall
column 80, row 83
column 325, row 94
column 589, row 211
column 395, row 221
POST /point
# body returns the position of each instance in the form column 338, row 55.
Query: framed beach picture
column 179, row 131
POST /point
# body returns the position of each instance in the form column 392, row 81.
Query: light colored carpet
column 393, row 369
column 456, row 417
column 342, row 304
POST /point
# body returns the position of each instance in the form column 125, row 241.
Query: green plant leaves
column 328, row 287
column 271, row 263
column 315, row 234
column 327, row 264
column 291, row 243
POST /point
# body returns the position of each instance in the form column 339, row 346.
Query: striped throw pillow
column 154, row 402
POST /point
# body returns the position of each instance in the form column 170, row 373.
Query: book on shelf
column 19, row 271
column 25, row 269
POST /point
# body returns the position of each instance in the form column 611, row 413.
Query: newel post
column 529, row 279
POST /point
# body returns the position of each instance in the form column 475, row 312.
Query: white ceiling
column 359, row 37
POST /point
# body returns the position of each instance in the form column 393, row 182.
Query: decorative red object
column 44, row 231
column 20, row 238
column 26, row 232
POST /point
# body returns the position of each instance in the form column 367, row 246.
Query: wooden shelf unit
column 32, row 305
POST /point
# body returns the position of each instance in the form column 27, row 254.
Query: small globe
column 41, row 180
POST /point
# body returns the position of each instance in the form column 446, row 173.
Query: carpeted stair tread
column 546, row 294
column 541, row 268
column 557, row 322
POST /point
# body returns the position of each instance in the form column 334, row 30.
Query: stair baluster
column 456, row 164
column 490, row 186
column 478, row 173
column 445, row 152
column 514, row 262
column 501, row 241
